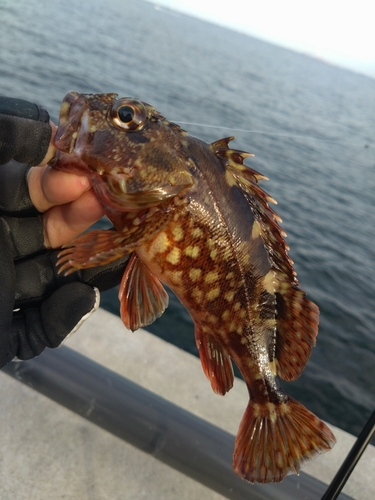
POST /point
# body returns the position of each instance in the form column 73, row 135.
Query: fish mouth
column 72, row 132
column 72, row 135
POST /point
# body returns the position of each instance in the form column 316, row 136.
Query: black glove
column 25, row 131
column 38, row 307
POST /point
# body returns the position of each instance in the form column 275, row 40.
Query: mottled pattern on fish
column 197, row 220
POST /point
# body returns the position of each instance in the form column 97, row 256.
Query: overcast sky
column 340, row 32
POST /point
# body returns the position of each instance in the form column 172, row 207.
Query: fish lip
column 73, row 123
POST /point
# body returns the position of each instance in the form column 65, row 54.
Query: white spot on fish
column 174, row 256
column 197, row 232
column 160, row 244
column 195, row 274
column 213, row 294
column 192, row 251
column 178, row 233
column 211, row 277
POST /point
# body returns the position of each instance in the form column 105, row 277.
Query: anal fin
column 142, row 297
column 216, row 362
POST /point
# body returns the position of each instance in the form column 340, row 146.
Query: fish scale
column 197, row 220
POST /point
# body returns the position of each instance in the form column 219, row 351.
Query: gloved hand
column 38, row 307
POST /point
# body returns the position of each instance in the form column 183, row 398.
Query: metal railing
column 164, row 430
column 351, row 460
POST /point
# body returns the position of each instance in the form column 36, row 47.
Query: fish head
column 134, row 157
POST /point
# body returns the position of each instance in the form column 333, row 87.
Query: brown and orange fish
column 196, row 219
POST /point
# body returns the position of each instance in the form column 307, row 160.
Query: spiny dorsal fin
column 247, row 180
column 296, row 317
column 220, row 148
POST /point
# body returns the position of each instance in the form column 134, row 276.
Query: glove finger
column 37, row 277
column 14, row 191
column 60, row 316
column 23, row 109
column 25, row 131
column 26, row 235
column 67, row 308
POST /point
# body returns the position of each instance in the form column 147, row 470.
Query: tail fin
column 275, row 440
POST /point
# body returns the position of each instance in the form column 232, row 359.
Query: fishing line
column 237, row 129
column 251, row 131
column 272, row 134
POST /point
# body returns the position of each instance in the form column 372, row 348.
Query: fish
column 194, row 218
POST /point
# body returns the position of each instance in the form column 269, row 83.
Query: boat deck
column 48, row 452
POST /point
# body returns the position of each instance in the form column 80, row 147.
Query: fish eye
column 128, row 114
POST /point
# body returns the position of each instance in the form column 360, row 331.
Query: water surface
column 310, row 125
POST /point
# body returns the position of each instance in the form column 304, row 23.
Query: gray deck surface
column 49, row 453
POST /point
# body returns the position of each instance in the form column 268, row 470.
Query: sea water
column 310, row 125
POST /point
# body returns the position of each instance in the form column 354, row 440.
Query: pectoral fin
column 100, row 247
column 96, row 248
column 142, row 297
